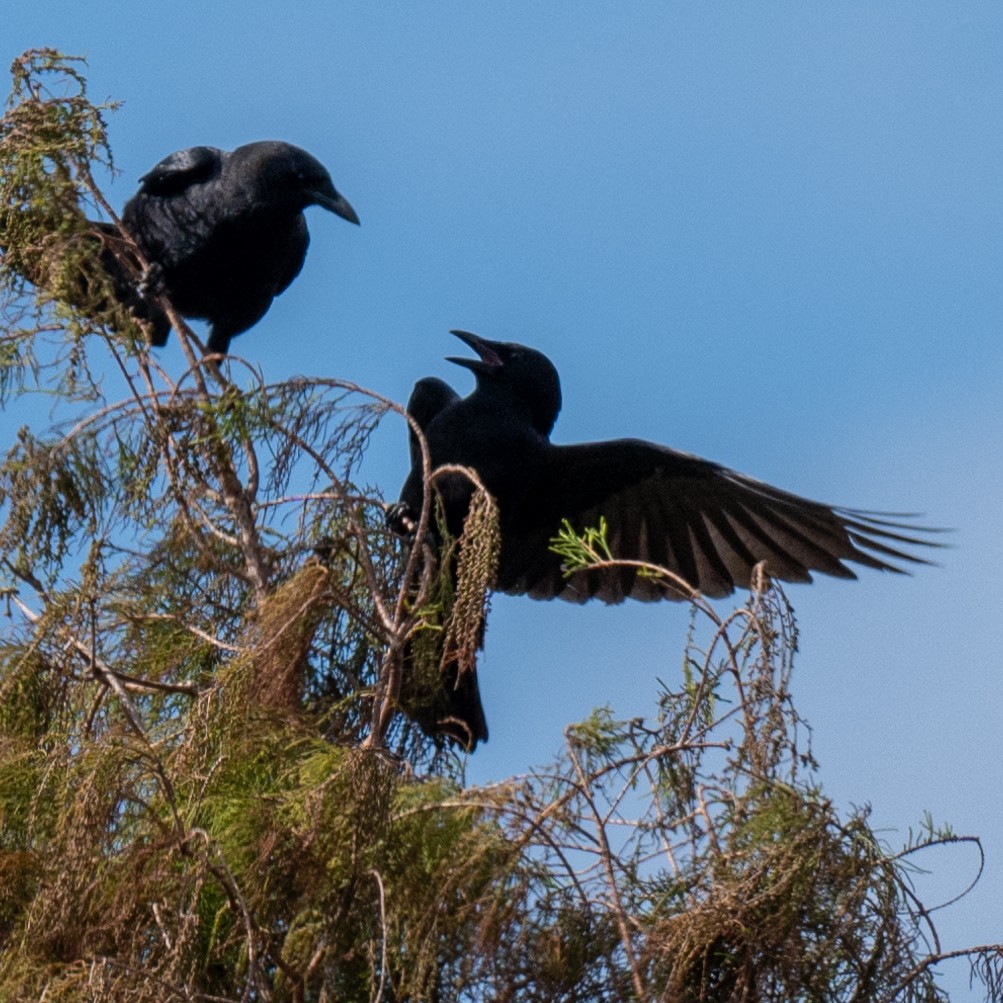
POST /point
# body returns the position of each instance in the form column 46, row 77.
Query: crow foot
column 153, row 283
column 400, row 519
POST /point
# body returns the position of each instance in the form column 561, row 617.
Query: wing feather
column 706, row 523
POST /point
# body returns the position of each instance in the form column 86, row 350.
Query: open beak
column 489, row 358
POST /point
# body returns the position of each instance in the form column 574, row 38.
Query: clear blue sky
column 770, row 234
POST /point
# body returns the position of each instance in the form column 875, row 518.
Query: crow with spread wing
column 705, row 523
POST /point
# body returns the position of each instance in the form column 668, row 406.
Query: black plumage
column 705, row 523
column 224, row 232
column 429, row 396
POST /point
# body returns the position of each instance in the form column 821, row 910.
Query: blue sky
column 769, row 234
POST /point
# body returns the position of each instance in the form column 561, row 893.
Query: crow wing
column 181, row 170
column 429, row 397
column 704, row 522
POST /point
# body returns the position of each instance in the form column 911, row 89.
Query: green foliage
column 205, row 791
column 51, row 137
column 581, row 550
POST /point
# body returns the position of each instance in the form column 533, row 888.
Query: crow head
column 524, row 375
column 284, row 174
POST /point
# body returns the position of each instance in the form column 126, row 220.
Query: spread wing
column 704, row 522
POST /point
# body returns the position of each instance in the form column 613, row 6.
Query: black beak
column 489, row 358
column 338, row 204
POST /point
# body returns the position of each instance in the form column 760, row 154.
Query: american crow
column 224, row 233
column 700, row 520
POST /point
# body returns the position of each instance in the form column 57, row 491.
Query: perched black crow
column 702, row 521
column 224, row 233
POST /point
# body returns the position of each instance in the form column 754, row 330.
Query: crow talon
column 153, row 283
column 400, row 520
